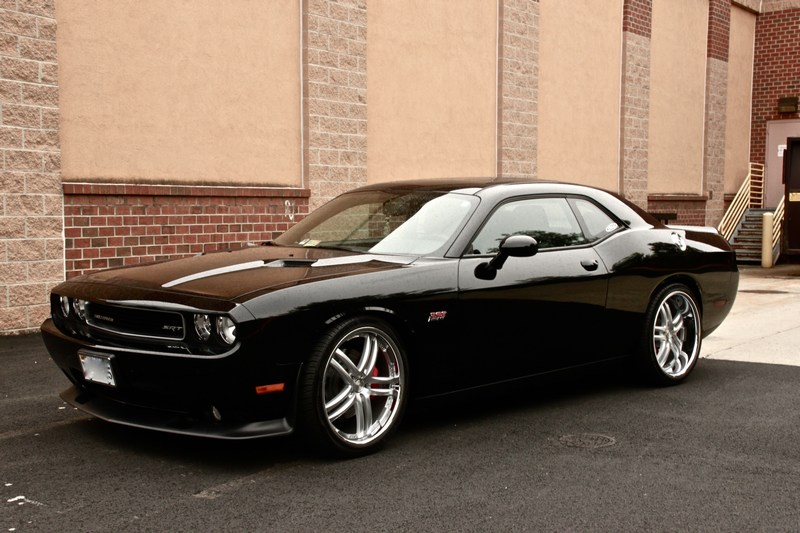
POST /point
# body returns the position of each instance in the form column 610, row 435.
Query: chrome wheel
column 676, row 333
column 362, row 386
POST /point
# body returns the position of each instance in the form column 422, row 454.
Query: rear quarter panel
column 641, row 261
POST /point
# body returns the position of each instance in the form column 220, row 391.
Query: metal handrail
column 777, row 224
column 735, row 211
column 756, row 185
column 750, row 194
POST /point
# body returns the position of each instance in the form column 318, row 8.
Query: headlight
column 80, row 308
column 202, row 326
column 64, row 303
column 226, row 329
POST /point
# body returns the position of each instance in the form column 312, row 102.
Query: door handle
column 590, row 264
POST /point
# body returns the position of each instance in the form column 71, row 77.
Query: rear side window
column 597, row 222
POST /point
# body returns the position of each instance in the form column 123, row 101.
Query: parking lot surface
column 590, row 452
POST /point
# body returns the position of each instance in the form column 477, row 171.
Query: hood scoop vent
column 291, row 263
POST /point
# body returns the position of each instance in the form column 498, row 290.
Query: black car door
column 539, row 313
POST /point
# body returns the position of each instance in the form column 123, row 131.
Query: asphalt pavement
column 582, row 452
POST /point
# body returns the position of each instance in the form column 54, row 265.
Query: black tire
column 353, row 389
column 672, row 336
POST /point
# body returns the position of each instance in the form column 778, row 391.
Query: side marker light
column 266, row 389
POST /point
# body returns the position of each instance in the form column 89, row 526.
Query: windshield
column 385, row 222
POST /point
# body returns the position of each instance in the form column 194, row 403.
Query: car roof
column 467, row 185
column 492, row 188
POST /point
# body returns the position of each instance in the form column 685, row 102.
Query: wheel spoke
column 662, row 354
column 666, row 313
column 368, row 355
column 346, row 362
column 388, row 391
column 381, row 380
column 363, row 415
column 342, row 372
column 343, row 408
column 677, row 323
column 676, row 346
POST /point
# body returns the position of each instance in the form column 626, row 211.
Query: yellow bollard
column 766, row 240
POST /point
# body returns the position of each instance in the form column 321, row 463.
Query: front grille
column 135, row 322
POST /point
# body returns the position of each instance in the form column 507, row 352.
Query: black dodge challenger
column 391, row 291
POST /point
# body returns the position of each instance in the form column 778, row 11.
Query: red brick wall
column 776, row 72
column 691, row 210
column 115, row 225
column 637, row 17
column 719, row 29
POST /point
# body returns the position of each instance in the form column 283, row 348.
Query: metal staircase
column 742, row 223
column 746, row 238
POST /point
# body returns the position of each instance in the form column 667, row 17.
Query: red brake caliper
column 374, row 375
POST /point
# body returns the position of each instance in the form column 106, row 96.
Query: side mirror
column 512, row 246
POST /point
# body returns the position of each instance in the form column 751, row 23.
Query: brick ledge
column 129, row 189
column 677, row 198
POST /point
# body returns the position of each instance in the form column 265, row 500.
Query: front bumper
column 182, row 423
column 215, row 397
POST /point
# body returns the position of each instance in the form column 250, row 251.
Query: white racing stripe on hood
column 250, row 265
column 356, row 259
column 214, row 272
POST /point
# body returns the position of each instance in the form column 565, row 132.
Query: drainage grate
column 587, row 440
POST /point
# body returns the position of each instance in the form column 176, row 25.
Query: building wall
column 579, row 91
column 31, row 244
column 716, row 104
column 776, row 70
column 677, row 96
column 154, row 100
column 114, row 225
column 152, row 93
column 432, row 69
column 518, row 88
column 334, row 96
column 637, row 29
column 740, row 81
column 216, row 124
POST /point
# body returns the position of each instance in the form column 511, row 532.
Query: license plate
column 97, row 368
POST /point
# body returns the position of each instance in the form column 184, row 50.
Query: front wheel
column 354, row 387
column 672, row 336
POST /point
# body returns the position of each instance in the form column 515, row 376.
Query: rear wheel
column 354, row 387
column 672, row 335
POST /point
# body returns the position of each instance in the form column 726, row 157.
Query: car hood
column 235, row 275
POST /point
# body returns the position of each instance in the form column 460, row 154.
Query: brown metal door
column 791, row 176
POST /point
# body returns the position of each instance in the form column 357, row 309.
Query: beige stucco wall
column 579, row 91
column 677, row 96
column 196, row 91
column 432, row 89
column 740, row 82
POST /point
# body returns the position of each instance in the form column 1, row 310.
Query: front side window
column 548, row 220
